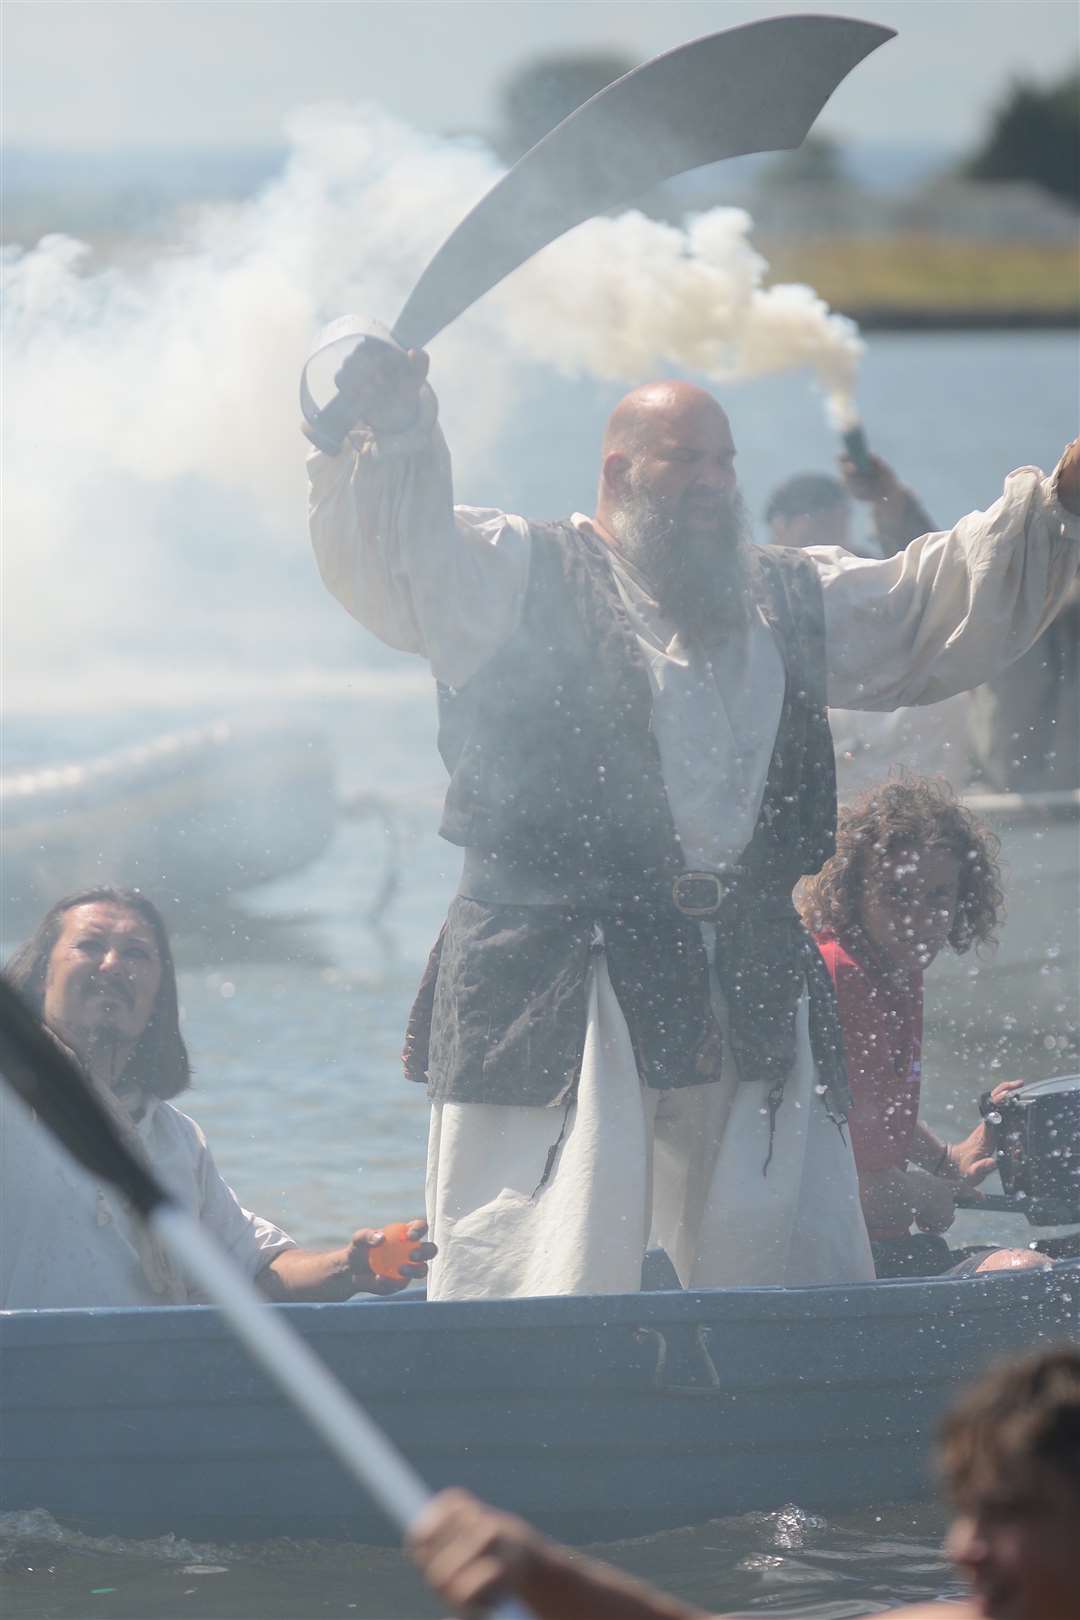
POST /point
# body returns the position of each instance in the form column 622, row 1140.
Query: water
column 294, row 1008
column 787, row 1563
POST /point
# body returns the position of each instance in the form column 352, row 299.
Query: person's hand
column 382, row 384
column 470, row 1553
column 933, row 1204
column 359, row 1260
column 880, row 483
column 972, row 1160
column 1068, row 479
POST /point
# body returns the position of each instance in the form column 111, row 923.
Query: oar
column 55, row 1088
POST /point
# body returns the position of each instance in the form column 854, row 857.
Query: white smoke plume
column 153, row 464
column 618, row 295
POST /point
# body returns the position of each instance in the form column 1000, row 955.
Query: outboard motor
column 1036, row 1137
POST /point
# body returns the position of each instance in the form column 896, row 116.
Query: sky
column 97, row 74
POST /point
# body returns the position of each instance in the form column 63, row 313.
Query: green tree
column 1035, row 135
column 545, row 91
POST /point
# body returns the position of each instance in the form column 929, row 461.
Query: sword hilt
column 332, row 425
column 327, row 426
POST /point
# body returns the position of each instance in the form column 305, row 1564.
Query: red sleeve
column 869, row 1068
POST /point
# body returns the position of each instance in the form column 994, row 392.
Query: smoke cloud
column 154, row 487
column 617, row 296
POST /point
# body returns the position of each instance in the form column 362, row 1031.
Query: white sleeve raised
column 422, row 575
column 953, row 608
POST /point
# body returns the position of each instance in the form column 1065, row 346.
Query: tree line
column 1033, row 133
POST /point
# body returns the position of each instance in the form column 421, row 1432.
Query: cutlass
column 755, row 88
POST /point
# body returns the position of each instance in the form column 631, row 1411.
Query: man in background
column 815, row 509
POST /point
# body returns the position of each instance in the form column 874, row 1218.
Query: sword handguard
column 329, row 425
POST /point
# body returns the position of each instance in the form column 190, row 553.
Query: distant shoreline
column 891, row 318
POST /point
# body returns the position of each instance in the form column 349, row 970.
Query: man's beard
column 699, row 576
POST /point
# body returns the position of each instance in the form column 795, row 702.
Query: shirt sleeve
column 425, row 577
column 954, row 607
column 251, row 1241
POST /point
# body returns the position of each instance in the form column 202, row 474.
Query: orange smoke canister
column 388, row 1257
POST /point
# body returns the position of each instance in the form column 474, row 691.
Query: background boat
column 194, row 816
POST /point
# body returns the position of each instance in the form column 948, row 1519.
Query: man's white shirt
column 68, row 1240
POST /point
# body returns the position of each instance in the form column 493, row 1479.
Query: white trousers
column 683, row 1166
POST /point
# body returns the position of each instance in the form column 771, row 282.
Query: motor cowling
column 1036, row 1138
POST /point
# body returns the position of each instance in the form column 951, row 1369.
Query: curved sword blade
column 755, row 88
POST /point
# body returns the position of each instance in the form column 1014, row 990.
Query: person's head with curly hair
column 914, row 871
column 1010, row 1456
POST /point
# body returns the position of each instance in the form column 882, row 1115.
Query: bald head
column 661, row 407
column 671, row 442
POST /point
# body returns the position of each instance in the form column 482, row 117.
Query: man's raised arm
column 422, row 576
column 953, row 608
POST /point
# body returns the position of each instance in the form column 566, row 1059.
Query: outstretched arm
column 953, row 608
column 899, row 516
column 892, row 1199
column 421, row 575
column 296, row 1275
column 470, row 1554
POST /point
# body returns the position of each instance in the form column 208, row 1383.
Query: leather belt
column 500, row 880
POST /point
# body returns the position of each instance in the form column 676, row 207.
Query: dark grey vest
column 557, row 795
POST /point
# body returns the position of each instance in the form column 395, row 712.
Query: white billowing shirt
column 715, row 716
column 68, row 1240
column 934, row 620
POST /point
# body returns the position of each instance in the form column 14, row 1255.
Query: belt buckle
column 697, row 894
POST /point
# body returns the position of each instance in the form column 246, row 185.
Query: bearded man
column 623, row 1026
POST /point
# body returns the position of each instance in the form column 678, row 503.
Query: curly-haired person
column 913, row 872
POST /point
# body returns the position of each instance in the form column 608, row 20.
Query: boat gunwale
column 885, row 1299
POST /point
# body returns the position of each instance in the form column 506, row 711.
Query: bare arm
column 952, row 608
column 928, row 1151
column 298, row 1275
column 895, row 1198
column 938, row 1611
column 469, row 1554
column 968, row 1161
column 899, row 516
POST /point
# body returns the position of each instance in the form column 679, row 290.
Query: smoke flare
column 617, row 296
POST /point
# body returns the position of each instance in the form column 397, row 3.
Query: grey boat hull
column 596, row 1417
